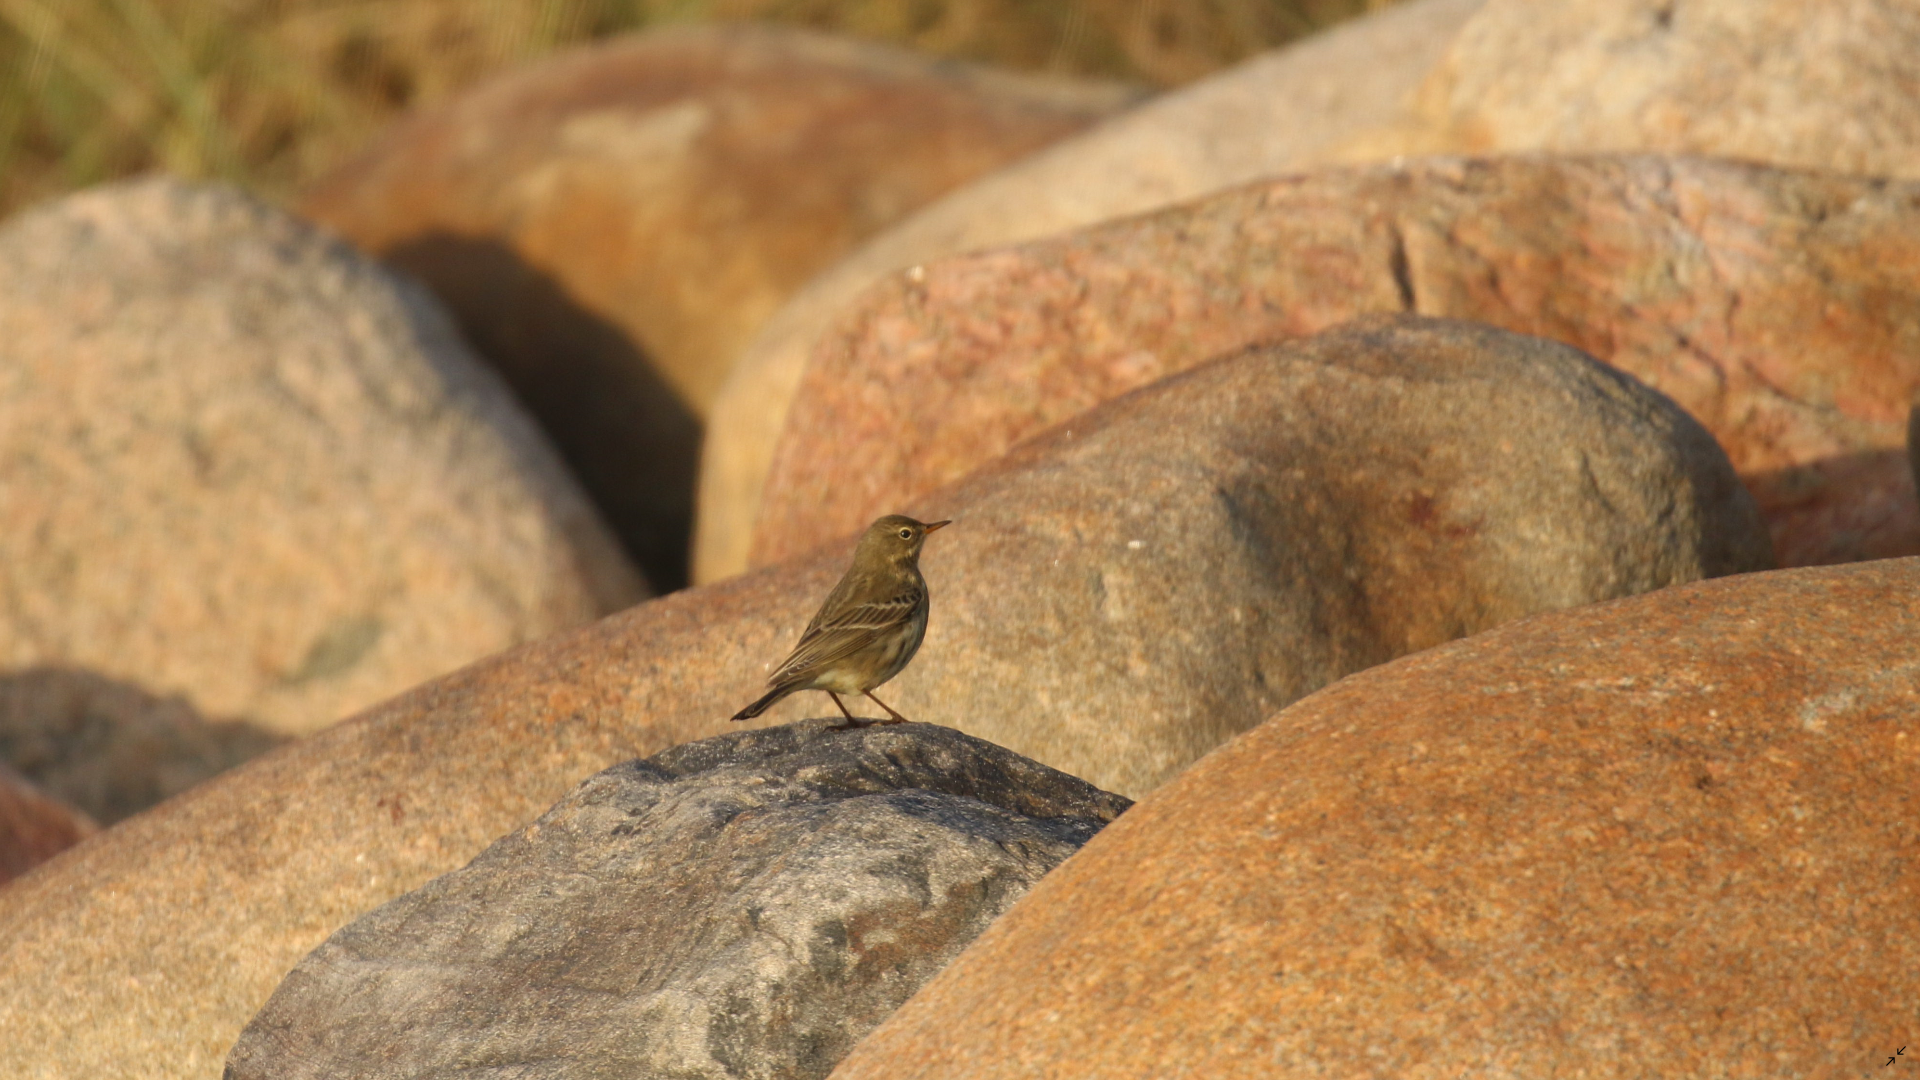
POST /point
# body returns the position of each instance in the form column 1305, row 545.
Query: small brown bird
column 869, row 627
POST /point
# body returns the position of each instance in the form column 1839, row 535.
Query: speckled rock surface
column 1669, row 836
column 247, row 468
column 611, row 226
column 34, row 826
column 1270, row 114
column 1781, row 308
column 1111, row 601
column 748, row 905
column 1825, row 84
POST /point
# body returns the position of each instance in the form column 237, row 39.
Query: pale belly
column 842, row 681
column 892, row 656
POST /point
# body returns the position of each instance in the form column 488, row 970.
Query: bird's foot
column 851, row 723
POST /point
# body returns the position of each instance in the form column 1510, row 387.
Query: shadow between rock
column 631, row 441
column 1841, row 509
column 111, row 747
column 1913, row 445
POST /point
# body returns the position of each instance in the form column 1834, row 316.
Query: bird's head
column 898, row 538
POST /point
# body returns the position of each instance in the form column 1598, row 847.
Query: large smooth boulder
column 1780, row 307
column 1263, row 117
column 255, row 478
column 1826, row 84
column 1112, row 600
column 747, row 905
column 1669, row 836
column 610, row 227
column 34, row 827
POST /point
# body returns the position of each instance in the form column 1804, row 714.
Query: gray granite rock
column 745, row 906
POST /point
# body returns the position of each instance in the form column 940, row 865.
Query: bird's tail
column 765, row 702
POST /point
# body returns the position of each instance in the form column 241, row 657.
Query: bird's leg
column 851, row 722
column 897, row 718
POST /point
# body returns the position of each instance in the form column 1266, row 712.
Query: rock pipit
column 868, row 628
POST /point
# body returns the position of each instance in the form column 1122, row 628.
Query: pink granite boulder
column 1667, row 836
column 1780, row 307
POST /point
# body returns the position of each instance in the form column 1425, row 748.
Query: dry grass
column 270, row 93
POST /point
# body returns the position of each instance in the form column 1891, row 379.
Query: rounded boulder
column 1666, row 836
column 252, row 479
column 1780, row 307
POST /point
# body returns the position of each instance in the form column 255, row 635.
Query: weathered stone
column 1826, row 84
column 1670, row 836
column 610, row 227
column 248, row 469
column 34, row 827
column 1781, row 308
column 1264, row 117
column 1112, row 600
column 748, row 905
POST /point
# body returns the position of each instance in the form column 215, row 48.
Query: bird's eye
column 906, row 534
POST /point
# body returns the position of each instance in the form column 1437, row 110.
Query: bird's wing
column 837, row 634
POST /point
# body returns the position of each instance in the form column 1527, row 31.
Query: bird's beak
column 936, row 525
